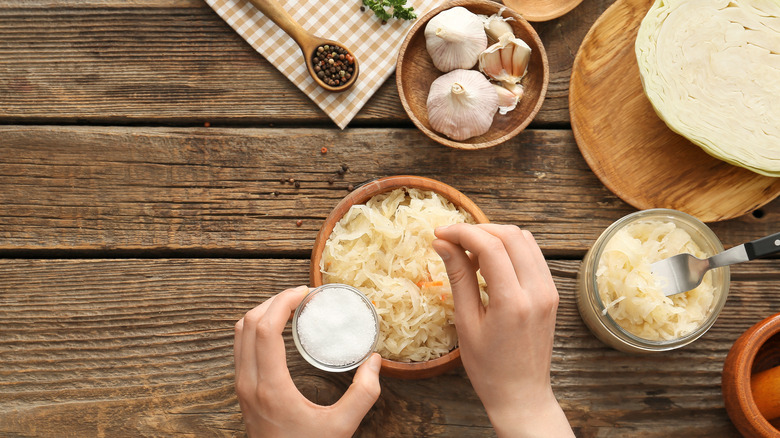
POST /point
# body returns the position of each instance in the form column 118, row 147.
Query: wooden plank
column 177, row 62
column 198, row 190
column 144, row 347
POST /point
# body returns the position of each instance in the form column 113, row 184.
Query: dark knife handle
column 763, row 247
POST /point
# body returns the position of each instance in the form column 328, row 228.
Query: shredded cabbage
column 711, row 69
column 631, row 294
column 383, row 248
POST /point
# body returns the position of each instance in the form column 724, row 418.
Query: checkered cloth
column 375, row 45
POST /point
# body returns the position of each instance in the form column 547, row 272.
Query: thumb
column 362, row 393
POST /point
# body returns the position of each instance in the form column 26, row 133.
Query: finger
column 541, row 262
column 463, row 281
column 520, row 249
column 247, row 363
column 496, row 266
column 269, row 345
column 237, row 345
column 362, row 393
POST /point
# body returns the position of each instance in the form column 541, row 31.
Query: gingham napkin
column 375, row 45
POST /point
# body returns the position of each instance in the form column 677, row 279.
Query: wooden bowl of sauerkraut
column 377, row 239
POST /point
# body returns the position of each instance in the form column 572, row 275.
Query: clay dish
column 757, row 350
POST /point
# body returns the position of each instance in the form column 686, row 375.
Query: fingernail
column 374, row 362
column 441, row 228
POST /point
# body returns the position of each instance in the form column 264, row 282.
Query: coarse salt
column 336, row 327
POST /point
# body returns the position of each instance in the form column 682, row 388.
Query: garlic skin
column 507, row 60
column 496, row 25
column 507, row 100
column 461, row 104
column 455, row 38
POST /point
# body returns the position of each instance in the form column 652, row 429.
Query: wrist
column 540, row 416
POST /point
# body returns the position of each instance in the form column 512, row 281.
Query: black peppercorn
column 333, row 64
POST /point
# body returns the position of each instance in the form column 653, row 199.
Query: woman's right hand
column 506, row 346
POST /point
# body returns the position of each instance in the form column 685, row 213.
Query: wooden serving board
column 631, row 149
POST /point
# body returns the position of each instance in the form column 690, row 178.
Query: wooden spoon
column 305, row 40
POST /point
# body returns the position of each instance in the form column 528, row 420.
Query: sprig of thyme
column 400, row 11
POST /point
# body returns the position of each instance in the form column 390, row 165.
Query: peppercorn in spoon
column 331, row 65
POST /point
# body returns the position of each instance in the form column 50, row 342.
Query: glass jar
column 345, row 323
column 591, row 306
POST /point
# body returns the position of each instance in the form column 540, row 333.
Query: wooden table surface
column 132, row 236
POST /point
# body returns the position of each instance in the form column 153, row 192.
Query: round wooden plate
column 631, row 149
column 542, row 10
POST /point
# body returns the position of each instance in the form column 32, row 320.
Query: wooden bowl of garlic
column 472, row 74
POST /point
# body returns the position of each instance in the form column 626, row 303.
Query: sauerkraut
column 711, row 69
column 631, row 294
column 383, row 248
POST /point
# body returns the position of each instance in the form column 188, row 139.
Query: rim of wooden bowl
column 522, row 29
column 391, row 368
column 737, row 371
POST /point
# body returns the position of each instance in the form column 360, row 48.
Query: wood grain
column 144, row 347
column 416, row 72
column 631, row 149
column 220, row 190
column 177, row 62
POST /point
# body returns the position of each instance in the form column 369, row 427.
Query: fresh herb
column 400, row 11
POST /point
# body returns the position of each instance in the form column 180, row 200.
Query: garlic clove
column 516, row 89
column 490, row 63
column 506, row 58
column 496, row 25
column 462, row 104
column 521, row 56
column 455, row 38
column 513, row 54
column 507, row 100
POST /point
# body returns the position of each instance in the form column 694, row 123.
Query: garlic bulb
column 507, row 60
column 455, row 38
column 461, row 104
column 507, row 100
column 496, row 25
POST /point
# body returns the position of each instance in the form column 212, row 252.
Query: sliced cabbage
column 383, row 248
column 711, row 69
column 631, row 294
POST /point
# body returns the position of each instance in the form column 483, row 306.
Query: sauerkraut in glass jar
column 620, row 300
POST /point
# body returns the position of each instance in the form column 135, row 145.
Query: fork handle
column 763, row 247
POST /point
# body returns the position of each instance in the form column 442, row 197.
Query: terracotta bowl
column 757, row 350
column 390, row 368
column 415, row 72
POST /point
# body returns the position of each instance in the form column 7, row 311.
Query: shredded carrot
column 373, row 302
column 426, row 284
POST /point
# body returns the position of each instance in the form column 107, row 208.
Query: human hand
column 506, row 347
column 270, row 402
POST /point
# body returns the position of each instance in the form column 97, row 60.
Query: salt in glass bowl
column 311, row 358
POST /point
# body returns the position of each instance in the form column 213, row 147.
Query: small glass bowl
column 591, row 307
column 318, row 363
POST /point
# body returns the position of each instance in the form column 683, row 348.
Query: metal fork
column 684, row 272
